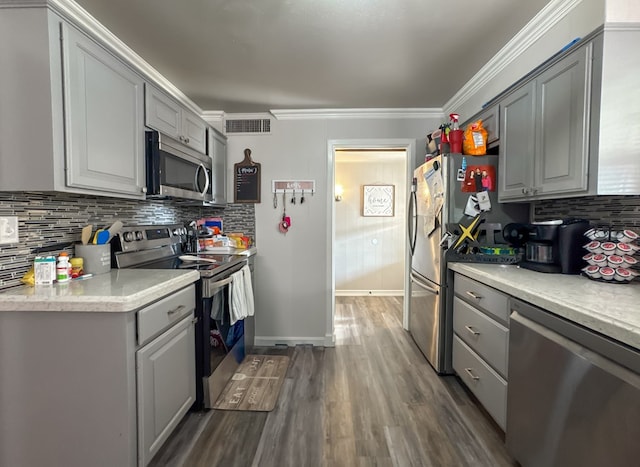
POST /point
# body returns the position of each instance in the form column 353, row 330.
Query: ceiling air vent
column 248, row 126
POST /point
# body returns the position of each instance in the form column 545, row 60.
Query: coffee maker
column 554, row 246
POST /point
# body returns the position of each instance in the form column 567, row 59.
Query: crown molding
column 247, row 116
column 615, row 26
column 80, row 18
column 314, row 114
column 213, row 116
column 548, row 17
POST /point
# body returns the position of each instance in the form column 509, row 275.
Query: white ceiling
column 257, row 55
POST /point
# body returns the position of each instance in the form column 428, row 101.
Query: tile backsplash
column 616, row 211
column 49, row 219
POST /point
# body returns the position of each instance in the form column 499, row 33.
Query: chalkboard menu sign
column 246, row 180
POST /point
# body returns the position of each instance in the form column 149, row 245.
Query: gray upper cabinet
column 76, row 110
column 166, row 115
column 218, row 152
column 516, row 143
column 562, row 152
column 103, row 119
column 544, row 149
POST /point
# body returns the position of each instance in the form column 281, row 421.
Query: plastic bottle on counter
column 63, row 269
column 77, row 264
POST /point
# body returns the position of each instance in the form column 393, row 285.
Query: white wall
column 293, row 289
column 622, row 11
column 369, row 252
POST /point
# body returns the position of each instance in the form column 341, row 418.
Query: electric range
column 219, row 345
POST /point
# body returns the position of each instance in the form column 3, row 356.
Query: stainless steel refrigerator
column 439, row 195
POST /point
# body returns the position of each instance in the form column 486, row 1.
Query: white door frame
column 409, row 145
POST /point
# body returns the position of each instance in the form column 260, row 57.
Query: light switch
column 8, row 230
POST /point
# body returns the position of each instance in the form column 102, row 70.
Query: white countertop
column 120, row 290
column 611, row 309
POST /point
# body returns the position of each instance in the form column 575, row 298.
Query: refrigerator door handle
column 412, row 221
column 424, row 285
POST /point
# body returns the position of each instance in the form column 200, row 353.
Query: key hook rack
column 289, row 186
column 297, row 188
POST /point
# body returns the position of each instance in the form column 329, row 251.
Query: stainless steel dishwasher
column 573, row 396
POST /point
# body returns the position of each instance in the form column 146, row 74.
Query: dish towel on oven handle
column 241, row 295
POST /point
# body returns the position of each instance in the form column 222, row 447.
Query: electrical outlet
column 8, row 230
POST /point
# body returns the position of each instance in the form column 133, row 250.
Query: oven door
column 176, row 171
column 222, row 345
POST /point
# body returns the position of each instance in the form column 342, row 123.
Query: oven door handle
column 221, row 283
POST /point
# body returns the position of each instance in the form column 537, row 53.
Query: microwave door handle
column 206, row 176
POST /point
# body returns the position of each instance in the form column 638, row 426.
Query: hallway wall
column 369, row 251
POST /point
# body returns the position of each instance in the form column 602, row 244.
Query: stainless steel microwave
column 175, row 170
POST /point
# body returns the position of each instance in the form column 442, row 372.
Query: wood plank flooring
column 372, row 400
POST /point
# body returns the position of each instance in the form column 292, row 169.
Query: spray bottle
column 455, row 135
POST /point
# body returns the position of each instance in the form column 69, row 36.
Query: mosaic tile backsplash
column 617, row 211
column 50, row 219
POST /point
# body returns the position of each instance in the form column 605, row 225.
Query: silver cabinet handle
column 194, row 320
column 473, row 377
column 472, row 331
column 186, row 140
column 181, row 138
column 524, row 191
column 474, row 295
column 175, row 310
column 143, row 189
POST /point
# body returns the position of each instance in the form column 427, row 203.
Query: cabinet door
column 194, row 131
column 218, row 152
column 166, row 386
column 161, row 112
column 517, row 138
column 562, row 151
column 104, row 126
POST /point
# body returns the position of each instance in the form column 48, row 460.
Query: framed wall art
column 378, row 200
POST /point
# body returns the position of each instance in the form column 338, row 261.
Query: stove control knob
column 139, row 235
column 127, row 236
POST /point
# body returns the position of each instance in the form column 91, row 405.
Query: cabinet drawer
column 158, row 316
column 485, row 336
column 486, row 384
column 482, row 296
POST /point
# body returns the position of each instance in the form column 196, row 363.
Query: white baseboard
column 272, row 341
column 372, row 293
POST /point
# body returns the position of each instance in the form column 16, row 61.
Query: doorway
column 368, row 249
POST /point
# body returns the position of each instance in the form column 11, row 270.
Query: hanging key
column 275, row 200
column 293, row 199
column 302, row 198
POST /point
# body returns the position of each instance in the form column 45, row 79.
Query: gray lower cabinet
column 72, row 112
column 218, row 152
column 166, row 386
column 166, row 115
column 480, row 343
column 95, row 388
column 544, row 149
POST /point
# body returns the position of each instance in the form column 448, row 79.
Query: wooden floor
column 372, row 400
